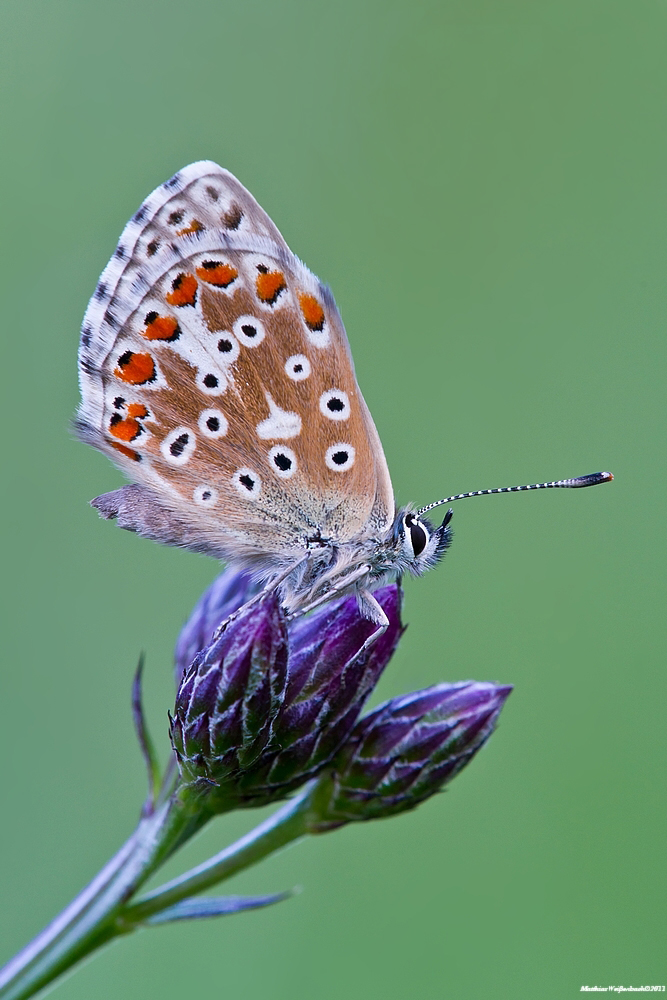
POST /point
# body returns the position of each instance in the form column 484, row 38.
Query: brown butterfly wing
column 216, row 372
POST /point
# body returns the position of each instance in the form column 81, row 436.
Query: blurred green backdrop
column 510, row 157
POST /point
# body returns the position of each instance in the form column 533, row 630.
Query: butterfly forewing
column 215, row 371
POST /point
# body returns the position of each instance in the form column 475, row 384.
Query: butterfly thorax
column 328, row 568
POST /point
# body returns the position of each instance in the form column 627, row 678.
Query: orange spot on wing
column 137, row 410
column 195, row 227
column 184, row 290
column 135, row 368
column 126, row 429
column 269, row 286
column 217, row 274
column 313, row 313
column 128, row 452
column 161, row 328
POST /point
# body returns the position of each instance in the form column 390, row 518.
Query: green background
column 483, row 186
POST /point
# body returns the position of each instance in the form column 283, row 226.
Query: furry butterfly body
column 215, row 371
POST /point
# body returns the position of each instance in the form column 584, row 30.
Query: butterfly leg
column 373, row 611
column 271, row 586
column 334, row 589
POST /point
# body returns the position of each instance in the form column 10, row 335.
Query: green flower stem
column 284, row 826
column 90, row 921
column 103, row 910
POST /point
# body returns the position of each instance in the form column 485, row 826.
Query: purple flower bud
column 266, row 706
column 328, row 682
column 406, row 750
column 229, row 698
column 225, row 595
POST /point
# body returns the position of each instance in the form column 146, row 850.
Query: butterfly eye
column 335, row 405
column 340, row 457
column 249, row 331
column 283, row 461
column 418, row 535
column 297, row 367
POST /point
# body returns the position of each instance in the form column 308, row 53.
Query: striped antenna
column 563, row 484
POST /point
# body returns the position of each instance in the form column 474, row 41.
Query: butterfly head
column 417, row 544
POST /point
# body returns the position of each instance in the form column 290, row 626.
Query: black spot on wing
column 176, row 447
column 231, row 219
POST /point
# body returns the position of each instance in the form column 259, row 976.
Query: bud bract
column 406, row 750
column 229, row 698
column 329, row 677
column 267, row 705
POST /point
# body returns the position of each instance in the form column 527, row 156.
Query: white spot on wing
column 213, row 383
column 205, row 496
column 318, row 338
column 249, row 331
column 179, row 445
column 213, row 423
column 335, row 404
column 248, row 483
column 297, row 367
column 280, row 424
column 228, row 347
column 283, row 461
column 340, row 456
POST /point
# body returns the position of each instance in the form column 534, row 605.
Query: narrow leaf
column 213, row 906
column 145, row 741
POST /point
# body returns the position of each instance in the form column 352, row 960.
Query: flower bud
column 226, row 595
column 329, row 678
column 266, row 706
column 229, row 698
column 404, row 751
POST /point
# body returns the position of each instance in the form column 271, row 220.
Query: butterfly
column 216, row 373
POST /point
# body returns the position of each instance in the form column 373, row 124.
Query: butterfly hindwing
column 216, row 372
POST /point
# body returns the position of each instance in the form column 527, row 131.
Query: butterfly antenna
column 563, row 484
